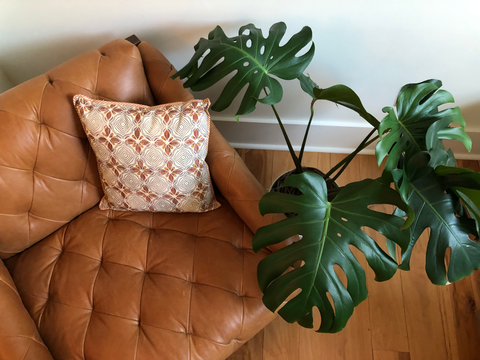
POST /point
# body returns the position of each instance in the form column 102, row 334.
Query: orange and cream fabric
column 150, row 158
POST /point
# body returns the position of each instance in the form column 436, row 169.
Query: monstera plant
column 429, row 190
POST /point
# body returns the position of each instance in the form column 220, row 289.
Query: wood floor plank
column 251, row 350
column 390, row 355
column 260, row 163
column 448, row 320
column 354, row 341
column 387, row 311
column 422, row 309
column 467, row 322
column 475, row 278
column 316, row 346
column 324, row 162
column 282, row 162
column 310, row 159
column 241, row 152
column 281, row 341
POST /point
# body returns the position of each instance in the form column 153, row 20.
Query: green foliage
column 435, row 193
column 464, row 183
column 417, row 110
column 254, row 59
column 338, row 94
column 327, row 230
column 415, row 149
column 343, row 95
column 437, row 209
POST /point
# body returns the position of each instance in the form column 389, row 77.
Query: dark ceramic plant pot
column 332, row 186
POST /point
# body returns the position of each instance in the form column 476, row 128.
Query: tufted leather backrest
column 48, row 173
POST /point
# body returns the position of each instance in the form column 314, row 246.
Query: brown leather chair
column 89, row 284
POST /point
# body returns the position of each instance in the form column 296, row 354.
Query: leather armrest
column 19, row 337
column 229, row 173
column 238, row 185
column 159, row 71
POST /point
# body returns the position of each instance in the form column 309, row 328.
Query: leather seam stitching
column 20, row 116
column 141, row 293
column 44, row 218
column 191, row 292
column 230, row 175
column 242, row 285
column 26, row 337
column 26, row 352
column 93, row 290
column 36, row 159
column 161, row 85
column 63, row 132
column 10, row 287
column 49, row 176
column 97, row 72
column 50, row 281
column 57, row 178
column 14, row 168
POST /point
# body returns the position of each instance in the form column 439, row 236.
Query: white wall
column 373, row 46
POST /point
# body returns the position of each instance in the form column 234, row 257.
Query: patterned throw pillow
column 150, row 158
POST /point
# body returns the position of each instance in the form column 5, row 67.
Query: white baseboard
column 325, row 136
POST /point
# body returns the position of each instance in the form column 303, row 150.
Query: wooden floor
column 406, row 318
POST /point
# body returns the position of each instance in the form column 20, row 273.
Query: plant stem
column 304, row 142
column 295, row 159
column 350, row 157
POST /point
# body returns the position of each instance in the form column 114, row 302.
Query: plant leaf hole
column 341, row 274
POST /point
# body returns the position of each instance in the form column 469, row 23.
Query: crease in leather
column 97, row 72
column 50, row 282
column 143, row 287
column 26, row 352
column 20, row 117
column 14, row 168
column 35, row 163
column 93, row 289
column 47, row 219
column 25, row 337
column 60, row 179
column 10, row 287
column 49, row 127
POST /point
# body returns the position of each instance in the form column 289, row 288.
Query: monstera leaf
column 253, row 58
column 464, row 183
column 439, row 131
column 417, row 109
column 437, row 209
column 338, row 94
column 327, row 230
column 343, row 95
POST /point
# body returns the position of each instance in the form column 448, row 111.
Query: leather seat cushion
column 123, row 285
